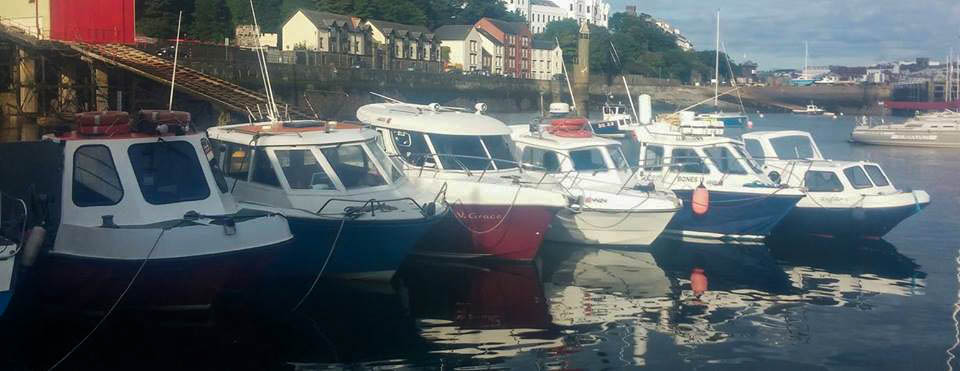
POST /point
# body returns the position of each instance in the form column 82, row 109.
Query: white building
column 682, row 41
column 547, row 60
column 493, row 49
column 465, row 45
column 539, row 12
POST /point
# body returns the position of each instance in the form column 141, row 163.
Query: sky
column 839, row 32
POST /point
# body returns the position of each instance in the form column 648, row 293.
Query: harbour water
column 794, row 305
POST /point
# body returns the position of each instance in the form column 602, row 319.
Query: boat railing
column 371, row 206
column 13, row 222
column 412, row 160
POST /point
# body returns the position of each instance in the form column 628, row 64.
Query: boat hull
column 71, row 283
column 941, row 139
column 365, row 249
column 489, row 231
column 867, row 222
column 731, row 215
column 609, row 227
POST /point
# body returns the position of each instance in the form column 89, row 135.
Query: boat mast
column 176, row 53
column 806, row 53
column 716, row 66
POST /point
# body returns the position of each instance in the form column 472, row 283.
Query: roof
column 774, row 134
column 488, row 36
column 326, row 19
column 521, row 134
column 453, row 32
column 544, row 44
column 544, row 3
column 261, row 134
column 387, row 27
column 420, row 118
column 509, row 27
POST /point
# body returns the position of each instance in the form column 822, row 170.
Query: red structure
column 921, row 106
column 93, row 21
column 517, row 45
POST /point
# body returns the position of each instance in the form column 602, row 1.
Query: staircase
column 223, row 93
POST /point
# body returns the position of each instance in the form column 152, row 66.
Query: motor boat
column 844, row 198
column 932, row 130
column 595, row 172
column 614, row 117
column 498, row 211
column 688, row 156
column 112, row 207
column 810, row 109
column 728, row 119
column 352, row 210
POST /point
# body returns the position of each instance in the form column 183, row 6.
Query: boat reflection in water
column 479, row 311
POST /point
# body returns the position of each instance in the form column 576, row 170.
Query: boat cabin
column 289, row 164
column 439, row 140
column 782, row 145
column 566, row 147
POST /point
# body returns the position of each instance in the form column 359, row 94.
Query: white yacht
column 930, row 130
column 113, row 204
column 679, row 153
column 498, row 211
column 595, row 172
column 352, row 210
column 844, row 198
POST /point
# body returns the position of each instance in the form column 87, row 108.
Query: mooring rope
column 322, row 268
column 956, row 323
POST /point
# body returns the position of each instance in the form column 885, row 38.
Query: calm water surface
column 802, row 305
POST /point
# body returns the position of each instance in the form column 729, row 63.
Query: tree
column 157, row 18
column 211, row 21
column 567, row 31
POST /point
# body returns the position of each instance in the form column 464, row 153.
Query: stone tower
column 581, row 70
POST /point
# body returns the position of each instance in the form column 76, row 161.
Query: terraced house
column 405, row 47
column 326, row 32
column 516, row 39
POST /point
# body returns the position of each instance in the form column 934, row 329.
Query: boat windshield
column 741, row 151
column 724, row 160
column 793, row 147
column 876, row 175
column 459, row 152
column 389, row 167
column 168, row 172
column 302, row 170
column 619, row 160
column 352, row 165
column 857, row 177
column 588, row 159
column 822, row 181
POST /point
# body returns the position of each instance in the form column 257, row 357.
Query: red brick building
column 517, row 45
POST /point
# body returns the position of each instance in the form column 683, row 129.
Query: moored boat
column 844, row 198
column 935, row 130
column 595, row 172
column 139, row 213
column 498, row 212
column 353, row 211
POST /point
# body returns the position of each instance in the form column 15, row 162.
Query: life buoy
column 570, row 128
column 700, row 202
column 105, row 123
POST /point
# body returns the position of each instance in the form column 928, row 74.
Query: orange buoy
column 701, row 200
column 698, row 281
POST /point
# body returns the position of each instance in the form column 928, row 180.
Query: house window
column 473, row 46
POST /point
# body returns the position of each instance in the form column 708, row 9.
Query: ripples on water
column 810, row 304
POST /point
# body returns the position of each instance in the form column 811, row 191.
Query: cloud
column 850, row 32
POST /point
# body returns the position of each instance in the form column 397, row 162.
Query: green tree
column 157, row 18
column 212, row 21
column 567, row 31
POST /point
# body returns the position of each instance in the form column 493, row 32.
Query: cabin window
column 302, row 170
column 411, row 146
column 460, row 151
column 876, row 175
column 755, row 149
column 237, row 161
column 688, row 161
column 724, row 160
column 263, row 172
column 352, row 165
column 857, row 177
column 822, row 181
column 619, row 161
column 588, row 159
column 213, row 148
column 541, row 160
column 168, row 172
column 746, row 158
column 792, row 147
column 499, row 148
column 653, row 158
column 95, row 179
column 393, row 171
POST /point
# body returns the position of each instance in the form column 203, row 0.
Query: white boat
column 810, row 109
column 844, row 198
column 679, row 153
column 930, row 130
column 614, row 117
column 595, row 172
column 352, row 210
column 498, row 211
column 148, row 208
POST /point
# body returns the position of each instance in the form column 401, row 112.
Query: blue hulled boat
column 351, row 209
